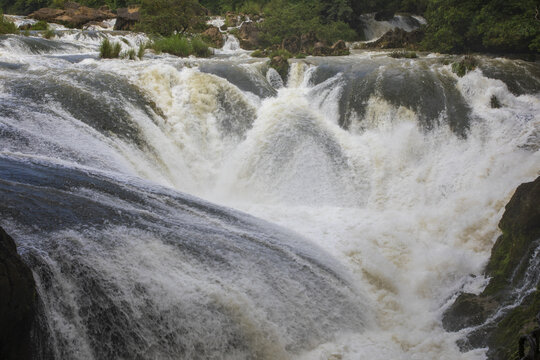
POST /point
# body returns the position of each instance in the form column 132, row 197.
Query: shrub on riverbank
column 40, row 25
column 181, row 46
column 7, row 27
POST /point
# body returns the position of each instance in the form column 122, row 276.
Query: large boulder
column 73, row 15
column 127, row 18
column 514, row 271
column 397, row 38
column 248, row 35
column 18, row 302
column 213, row 36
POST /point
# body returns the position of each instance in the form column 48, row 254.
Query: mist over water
column 386, row 179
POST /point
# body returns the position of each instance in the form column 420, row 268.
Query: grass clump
column 140, row 52
column 462, row 67
column 131, row 54
column 6, row 27
column 200, row 48
column 49, row 34
column 181, row 46
column 109, row 50
column 40, row 25
column 403, row 54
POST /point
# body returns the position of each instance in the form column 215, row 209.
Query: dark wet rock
column 213, row 36
column 248, row 35
column 320, row 49
column 514, row 270
column 18, row 301
column 397, row 38
column 127, row 18
column 292, row 44
column 73, row 15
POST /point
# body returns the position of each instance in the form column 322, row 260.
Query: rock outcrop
column 396, row 39
column 214, row 37
column 248, row 35
column 73, row 15
column 18, row 302
column 514, row 268
column 127, row 18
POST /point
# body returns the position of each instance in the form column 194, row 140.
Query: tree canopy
column 453, row 25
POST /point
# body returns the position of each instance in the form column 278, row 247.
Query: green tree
column 166, row 17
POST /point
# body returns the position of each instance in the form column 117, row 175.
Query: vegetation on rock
column 466, row 64
column 507, row 268
column 7, row 27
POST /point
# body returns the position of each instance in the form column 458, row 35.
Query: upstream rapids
column 191, row 208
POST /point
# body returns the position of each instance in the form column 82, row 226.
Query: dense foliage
column 6, row 27
column 453, row 25
column 165, row 17
column 495, row 25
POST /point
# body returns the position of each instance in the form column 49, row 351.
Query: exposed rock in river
column 514, row 268
column 18, row 301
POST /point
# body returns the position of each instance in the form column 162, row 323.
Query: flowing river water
column 135, row 191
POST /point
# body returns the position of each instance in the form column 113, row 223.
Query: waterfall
column 374, row 29
column 198, row 208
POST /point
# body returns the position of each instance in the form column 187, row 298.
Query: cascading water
column 374, row 29
column 391, row 173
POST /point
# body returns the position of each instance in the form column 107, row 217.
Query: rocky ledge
column 514, row 287
column 73, row 15
column 18, row 301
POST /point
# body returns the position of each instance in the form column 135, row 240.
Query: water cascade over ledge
column 135, row 192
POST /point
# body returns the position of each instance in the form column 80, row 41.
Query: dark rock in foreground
column 514, row 268
column 18, row 301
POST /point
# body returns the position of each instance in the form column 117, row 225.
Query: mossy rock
column 510, row 258
column 462, row 67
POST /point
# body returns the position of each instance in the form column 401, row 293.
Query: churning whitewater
column 128, row 185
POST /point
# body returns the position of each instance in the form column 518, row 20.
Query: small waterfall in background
column 200, row 208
